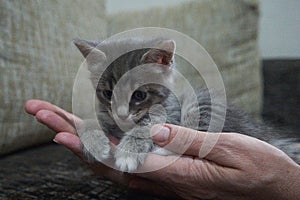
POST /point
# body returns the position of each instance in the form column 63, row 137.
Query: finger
column 178, row 139
column 54, row 121
column 33, row 106
column 70, row 141
column 225, row 149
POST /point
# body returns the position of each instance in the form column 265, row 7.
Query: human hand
column 50, row 115
column 237, row 167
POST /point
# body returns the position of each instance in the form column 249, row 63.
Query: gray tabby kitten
column 131, row 114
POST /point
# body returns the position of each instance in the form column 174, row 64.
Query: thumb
column 182, row 140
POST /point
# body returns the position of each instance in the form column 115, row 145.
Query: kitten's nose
column 122, row 112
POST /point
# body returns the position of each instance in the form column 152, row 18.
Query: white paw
column 127, row 164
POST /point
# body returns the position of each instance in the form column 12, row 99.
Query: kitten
column 130, row 115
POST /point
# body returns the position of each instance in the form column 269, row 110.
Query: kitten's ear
column 162, row 54
column 89, row 51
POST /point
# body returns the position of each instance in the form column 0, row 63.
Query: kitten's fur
column 135, row 103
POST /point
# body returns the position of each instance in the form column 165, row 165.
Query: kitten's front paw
column 127, row 163
column 96, row 146
column 132, row 151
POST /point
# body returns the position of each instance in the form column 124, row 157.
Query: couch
column 38, row 60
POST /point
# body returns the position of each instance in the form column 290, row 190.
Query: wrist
column 292, row 190
column 288, row 184
column 280, row 183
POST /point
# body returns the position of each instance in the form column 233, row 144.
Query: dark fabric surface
column 53, row 172
column 282, row 93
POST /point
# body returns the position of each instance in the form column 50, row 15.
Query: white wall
column 113, row 6
column 279, row 35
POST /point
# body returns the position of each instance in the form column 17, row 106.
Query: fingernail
column 54, row 140
column 160, row 133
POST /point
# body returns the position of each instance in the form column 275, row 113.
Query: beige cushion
column 38, row 60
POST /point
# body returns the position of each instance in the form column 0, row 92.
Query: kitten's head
column 110, row 62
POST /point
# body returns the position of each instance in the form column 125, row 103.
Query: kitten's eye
column 107, row 94
column 139, row 95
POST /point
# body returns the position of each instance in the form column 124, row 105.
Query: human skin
column 237, row 167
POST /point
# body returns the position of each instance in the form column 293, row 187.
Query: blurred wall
column 279, row 29
column 279, row 35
